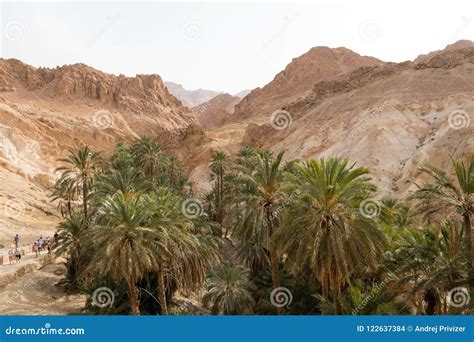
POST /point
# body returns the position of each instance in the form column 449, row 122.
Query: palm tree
column 148, row 156
column 78, row 172
column 70, row 242
column 66, row 192
column 323, row 229
column 445, row 195
column 261, row 192
column 209, row 199
column 404, row 217
column 125, row 179
column 219, row 165
column 174, row 171
column 250, row 232
column 124, row 242
column 430, row 262
column 183, row 255
column 396, row 213
column 229, row 291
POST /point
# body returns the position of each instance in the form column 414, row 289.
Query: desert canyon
column 390, row 117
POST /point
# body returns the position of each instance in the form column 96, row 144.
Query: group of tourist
column 14, row 256
column 41, row 245
column 15, row 252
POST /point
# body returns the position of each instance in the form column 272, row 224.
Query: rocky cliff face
column 390, row 117
column 299, row 77
column 214, row 112
column 393, row 118
column 43, row 112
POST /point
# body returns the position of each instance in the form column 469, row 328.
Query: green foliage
column 323, row 230
column 266, row 223
column 229, row 291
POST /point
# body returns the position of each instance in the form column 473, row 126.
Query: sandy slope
column 36, row 293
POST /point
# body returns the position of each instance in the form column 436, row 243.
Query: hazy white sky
column 223, row 46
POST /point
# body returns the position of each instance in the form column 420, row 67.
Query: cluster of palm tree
column 320, row 244
column 126, row 225
column 267, row 225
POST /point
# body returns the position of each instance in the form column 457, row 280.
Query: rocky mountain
column 43, row 112
column 243, row 93
column 390, row 117
column 298, row 78
column 191, row 98
column 214, row 112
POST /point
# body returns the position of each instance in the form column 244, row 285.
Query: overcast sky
column 223, row 46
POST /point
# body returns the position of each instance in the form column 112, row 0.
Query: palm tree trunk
column 84, row 194
column 337, row 304
column 337, row 307
column 273, row 256
column 470, row 253
column 219, row 196
column 162, row 291
column 69, row 207
column 132, row 293
column 325, row 293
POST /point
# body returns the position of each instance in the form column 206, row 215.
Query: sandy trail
column 36, row 293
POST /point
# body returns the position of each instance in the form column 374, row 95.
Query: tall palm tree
column 262, row 191
column 124, row 242
column 229, row 291
column 430, row 262
column 70, row 242
column 445, row 195
column 174, row 171
column 79, row 171
column 148, row 156
column 66, row 192
column 219, row 165
column 183, row 255
column 323, row 229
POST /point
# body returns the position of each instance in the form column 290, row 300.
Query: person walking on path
column 17, row 240
column 10, row 256
column 35, row 248
column 18, row 255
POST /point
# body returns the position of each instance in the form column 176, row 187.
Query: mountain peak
column 299, row 77
column 460, row 44
column 191, row 98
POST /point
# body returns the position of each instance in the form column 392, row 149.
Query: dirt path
column 36, row 293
